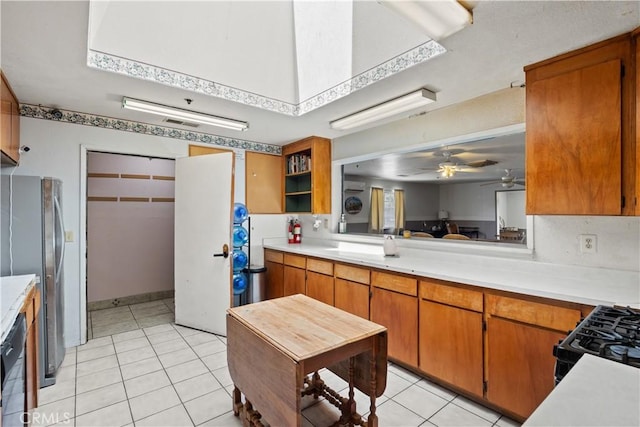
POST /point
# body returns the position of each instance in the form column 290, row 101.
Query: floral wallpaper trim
column 58, row 115
column 128, row 67
column 408, row 59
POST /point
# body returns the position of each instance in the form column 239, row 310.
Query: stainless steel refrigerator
column 32, row 235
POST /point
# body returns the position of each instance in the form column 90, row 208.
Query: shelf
column 298, row 173
column 298, row 203
column 306, row 167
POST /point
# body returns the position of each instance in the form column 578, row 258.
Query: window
column 389, row 211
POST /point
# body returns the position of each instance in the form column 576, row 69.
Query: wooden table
column 273, row 346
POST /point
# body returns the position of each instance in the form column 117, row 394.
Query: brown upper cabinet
column 263, row 183
column 635, row 135
column 581, row 137
column 307, row 176
column 10, row 134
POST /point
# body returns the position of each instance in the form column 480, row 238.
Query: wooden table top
column 302, row 327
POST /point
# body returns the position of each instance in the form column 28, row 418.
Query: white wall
column 129, row 244
column 56, row 151
column 554, row 237
column 468, row 201
column 421, row 200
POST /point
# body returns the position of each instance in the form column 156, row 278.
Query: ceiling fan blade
column 482, row 163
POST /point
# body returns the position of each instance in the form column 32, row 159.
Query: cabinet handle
column 225, row 251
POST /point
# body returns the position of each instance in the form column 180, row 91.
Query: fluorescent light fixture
column 180, row 114
column 437, row 18
column 386, row 109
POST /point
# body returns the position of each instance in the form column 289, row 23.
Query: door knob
column 225, row 251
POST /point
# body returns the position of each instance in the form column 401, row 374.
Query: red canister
column 297, row 233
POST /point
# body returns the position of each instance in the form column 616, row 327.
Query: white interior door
column 203, row 216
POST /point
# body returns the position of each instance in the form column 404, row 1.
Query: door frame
column 84, row 150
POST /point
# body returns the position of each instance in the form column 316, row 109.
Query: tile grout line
column 167, row 374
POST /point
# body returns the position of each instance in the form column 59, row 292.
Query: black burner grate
column 609, row 332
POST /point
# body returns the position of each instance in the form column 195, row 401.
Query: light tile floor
column 162, row 374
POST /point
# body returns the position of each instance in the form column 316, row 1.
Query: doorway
column 511, row 219
column 130, row 248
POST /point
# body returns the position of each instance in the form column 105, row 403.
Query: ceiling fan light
column 386, row 109
column 180, row 114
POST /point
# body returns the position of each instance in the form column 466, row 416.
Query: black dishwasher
column 13, row 375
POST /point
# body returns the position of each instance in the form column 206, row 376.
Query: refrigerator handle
column 59, row 216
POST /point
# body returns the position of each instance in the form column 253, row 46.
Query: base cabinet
column 519, row 361
column 491, row 346
column 352, row 297
column 294, row 281
column 451, row 333
column 273, row 261
column 352, row 292
column 320, row 282
column 399, row 314
column 294, row 274
column 31, row 308
column 520, row 364
column 320, row 287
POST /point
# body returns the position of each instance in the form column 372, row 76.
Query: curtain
column 399, row 198
column 376, row 216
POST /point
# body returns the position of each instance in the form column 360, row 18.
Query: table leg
column 351, row 402
column 237, row 401
column 372, row 419
column 317, row 385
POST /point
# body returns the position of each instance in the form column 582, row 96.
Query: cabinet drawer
column 353, row 274
column 273, row 256
column 319, row 266
column 295, row 260
column 393, row 282
column 451, row 295
column 535, row 313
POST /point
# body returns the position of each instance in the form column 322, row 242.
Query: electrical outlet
column 588, row 243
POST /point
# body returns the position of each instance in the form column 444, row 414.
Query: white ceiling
column 44, row 56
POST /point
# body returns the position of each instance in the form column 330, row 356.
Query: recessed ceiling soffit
column 287, row 57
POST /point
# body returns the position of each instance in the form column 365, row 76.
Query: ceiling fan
column 447, row 168
column 507, row 181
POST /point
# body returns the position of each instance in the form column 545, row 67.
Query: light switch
column 68, row 236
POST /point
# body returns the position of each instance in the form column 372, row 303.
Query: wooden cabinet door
column 451, row 345
column 520, row 364
column 10, row 124
column 574, row 142
column 636, row 162
column 275, row 280
column 352, row 297
column 399, row 313
column 263, row 183
column 294, row 280
column 320, row 287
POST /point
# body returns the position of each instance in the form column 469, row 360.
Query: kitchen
column 484, row 110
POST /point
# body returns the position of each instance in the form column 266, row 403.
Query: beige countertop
column 514, row 273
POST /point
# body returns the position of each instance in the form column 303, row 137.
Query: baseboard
column 132, row 299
